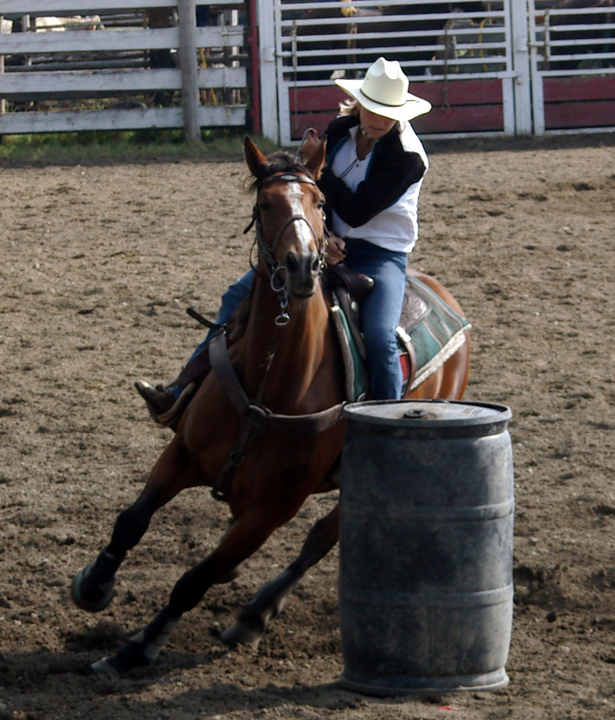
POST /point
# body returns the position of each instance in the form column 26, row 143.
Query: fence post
column 189, row 69
column 521, row 63
column 2, row 101
column 267, row 66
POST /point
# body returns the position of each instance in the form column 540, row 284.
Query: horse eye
column 321, row 204
column 264, row 206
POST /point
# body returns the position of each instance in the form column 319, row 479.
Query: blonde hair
column 353, row 107
column 350, row 107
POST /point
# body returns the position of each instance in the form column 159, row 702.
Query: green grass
column 96, row 147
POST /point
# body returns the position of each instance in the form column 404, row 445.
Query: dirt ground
column 98, row 266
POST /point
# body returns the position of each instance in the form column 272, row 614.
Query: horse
column 287, row 359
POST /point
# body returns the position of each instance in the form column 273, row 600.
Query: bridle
column 266, row 252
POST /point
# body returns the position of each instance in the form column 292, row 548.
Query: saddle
column 429, row 333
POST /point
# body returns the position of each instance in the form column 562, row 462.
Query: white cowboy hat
column 384, row 91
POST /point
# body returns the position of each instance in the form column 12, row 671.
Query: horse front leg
column 243, row 538
column 268, row 602
column 92, row 588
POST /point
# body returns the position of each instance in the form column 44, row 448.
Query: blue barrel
column 426, row 543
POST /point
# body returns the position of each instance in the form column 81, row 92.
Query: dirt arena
column 98, row 266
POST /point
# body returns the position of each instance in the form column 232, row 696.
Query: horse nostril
column 292, row 262
column 315, row 264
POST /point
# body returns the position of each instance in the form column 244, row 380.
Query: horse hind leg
column 269, row 601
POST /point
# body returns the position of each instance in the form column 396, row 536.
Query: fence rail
column 90, row 7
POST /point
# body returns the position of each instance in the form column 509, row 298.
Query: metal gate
column 573, row 67
column 469, row 59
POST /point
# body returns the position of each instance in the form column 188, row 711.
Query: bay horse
column 288, row 361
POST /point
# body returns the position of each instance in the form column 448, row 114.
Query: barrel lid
column 428, row 414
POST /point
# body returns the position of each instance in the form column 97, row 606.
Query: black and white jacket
column 383, row 207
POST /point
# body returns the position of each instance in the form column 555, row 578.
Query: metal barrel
column 426, row 540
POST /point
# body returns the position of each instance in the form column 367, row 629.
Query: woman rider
column 375, row 168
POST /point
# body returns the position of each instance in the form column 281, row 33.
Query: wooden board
column 33, row 86
column 44, row 122
column 87, row 7
column 41, row 43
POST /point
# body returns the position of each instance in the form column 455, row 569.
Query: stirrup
column 173, row 414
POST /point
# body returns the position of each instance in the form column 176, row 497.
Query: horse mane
column 278, row 162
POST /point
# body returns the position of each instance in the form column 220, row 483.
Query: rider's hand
column 335, row 250
column 309, row 145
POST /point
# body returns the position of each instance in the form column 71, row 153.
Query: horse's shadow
column 68, row 678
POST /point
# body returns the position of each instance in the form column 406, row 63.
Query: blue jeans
column 380, row 313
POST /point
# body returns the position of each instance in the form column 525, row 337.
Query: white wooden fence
column 193, row 78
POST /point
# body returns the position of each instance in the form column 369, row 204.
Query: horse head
column 289, row 218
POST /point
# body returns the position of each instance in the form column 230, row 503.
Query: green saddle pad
column 437, row 336
column 435, row 330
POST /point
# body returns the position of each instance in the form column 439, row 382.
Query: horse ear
column 255, row 159
column 317, row 160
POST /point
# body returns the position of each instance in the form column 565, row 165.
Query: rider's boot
column 166, row 403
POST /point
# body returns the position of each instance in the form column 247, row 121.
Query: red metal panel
column 558, row 89
column 300, row 123
column 316, row 98
column 458, row 106
column 255, row 89
column 453, row 92
column 471, row 118
column 579, row 115
column 460, row 92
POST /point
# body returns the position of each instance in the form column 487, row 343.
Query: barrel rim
column 352, row 413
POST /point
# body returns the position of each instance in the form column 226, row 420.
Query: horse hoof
column 104, row 667
column 127, row 658
column 81, row 601
column 242, row 633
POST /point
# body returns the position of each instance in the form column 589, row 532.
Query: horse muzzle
column 302, row 273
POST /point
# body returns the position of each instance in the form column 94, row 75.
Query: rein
column 254, row 418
